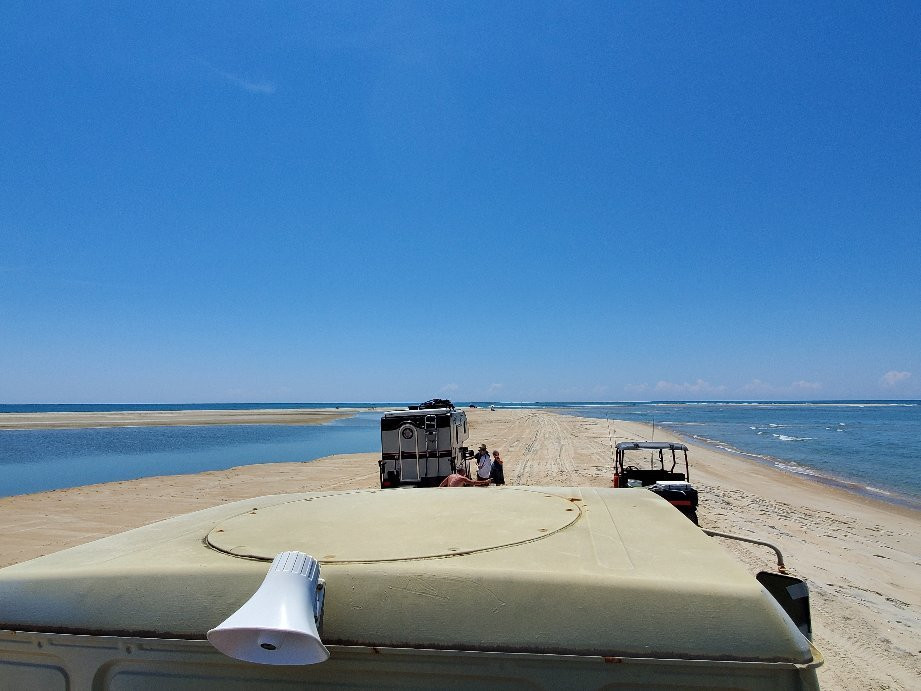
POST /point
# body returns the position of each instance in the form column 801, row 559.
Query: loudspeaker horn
column 278, row 624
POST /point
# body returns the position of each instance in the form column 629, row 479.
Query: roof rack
column 433, row 403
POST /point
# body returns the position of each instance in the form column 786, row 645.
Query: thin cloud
column 893, row 377
column 757, row 386
column 699, row 386
column 806, row 385
column 636, row 388
column 245, row 83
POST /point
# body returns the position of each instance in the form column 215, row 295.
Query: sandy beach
column 861, row 557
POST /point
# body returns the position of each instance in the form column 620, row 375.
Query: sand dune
column 862, row 558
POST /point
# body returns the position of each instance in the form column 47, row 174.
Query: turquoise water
column 38, row 460
column 866, row 446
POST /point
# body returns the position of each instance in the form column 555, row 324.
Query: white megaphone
column 278, row 624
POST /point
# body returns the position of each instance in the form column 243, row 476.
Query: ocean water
column 39, row 460
column 871, row 447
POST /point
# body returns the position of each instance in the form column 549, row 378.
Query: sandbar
column 155, row 418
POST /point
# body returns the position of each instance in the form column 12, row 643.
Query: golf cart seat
column 650, row 477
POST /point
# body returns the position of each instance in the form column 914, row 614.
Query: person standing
column 483, row 463
column 498, row 472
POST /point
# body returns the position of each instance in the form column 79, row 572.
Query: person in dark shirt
column 498, row 473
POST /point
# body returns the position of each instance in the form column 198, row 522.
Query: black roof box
column 433, row 403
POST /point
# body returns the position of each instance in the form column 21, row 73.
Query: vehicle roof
column 631, row 445
column 421, row 411
column 580, row 571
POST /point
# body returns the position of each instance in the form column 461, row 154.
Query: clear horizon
column 468, row 200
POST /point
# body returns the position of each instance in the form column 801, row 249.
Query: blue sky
column 512, row 201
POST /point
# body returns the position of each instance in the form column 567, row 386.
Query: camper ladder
column 431, row 443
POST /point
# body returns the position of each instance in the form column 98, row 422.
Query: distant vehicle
column 423, row 445
column 589, row 588
column 674, row 487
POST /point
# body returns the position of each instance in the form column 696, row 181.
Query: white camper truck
column 423, row 445
column 521, row 587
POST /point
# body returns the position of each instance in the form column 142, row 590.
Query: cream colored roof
column 563, row 570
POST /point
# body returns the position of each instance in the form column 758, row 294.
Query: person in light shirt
column 483, row 463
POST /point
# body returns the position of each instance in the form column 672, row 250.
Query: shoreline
column 884, row 496
column 889, row 495
column 860, row 556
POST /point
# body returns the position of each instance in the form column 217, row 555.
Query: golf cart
column 674, row 487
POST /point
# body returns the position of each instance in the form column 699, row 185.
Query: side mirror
column 792, row 594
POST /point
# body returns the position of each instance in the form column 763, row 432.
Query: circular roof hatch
column 392, row 525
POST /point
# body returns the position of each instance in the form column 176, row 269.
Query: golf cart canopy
column 633, row 445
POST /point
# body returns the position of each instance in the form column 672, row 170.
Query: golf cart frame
column 623, row 473
column 661, row 477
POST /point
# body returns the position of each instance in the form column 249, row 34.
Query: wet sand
column 861, row 557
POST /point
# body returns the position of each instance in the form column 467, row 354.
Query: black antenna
column 610, row 435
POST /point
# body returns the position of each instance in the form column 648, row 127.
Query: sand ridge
column 153, row 418
column 861, row 558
